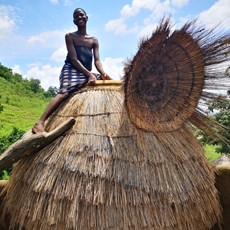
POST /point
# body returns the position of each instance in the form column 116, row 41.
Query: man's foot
column 38, row 127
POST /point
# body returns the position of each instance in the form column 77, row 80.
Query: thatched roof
column 105, row 173
column 222, row 165
column 130, row 161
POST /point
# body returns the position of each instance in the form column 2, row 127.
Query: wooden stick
column 32, row 143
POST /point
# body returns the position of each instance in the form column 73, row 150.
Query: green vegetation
column 5, row 142
column 220, row 112
column 21, row 104
column 222, row 105
column 211, row 152
column 21, row 101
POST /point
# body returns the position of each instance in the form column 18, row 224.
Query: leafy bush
column 222, row 117
column 21, row 103
column 51, row 92
column 211, row 152
column 220, row 112
column 4, row 175
column 5, row 142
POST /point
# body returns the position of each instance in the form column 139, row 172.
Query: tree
column 35, row 85
column 222, row 116
column 5, row 73
column 5, row 142
column 51, row 92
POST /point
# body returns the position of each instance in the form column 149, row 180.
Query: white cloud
column 48, row 75
column 60, row 54
column 16, row 69
column 54, row 1
column 66, row 2
column 137, row 5
column 117, row 26
column 179, row 3
column 157, row 9
column 49, row 37
column 218, row 13
column 161, row 9
column 7, row 24
column 113, row 67
column 147, row 30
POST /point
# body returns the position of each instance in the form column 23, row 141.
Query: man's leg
column 53, row 105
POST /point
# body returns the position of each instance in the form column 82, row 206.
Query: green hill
column 21, row 101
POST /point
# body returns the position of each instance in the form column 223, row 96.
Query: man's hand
column 105, row 76
column 91, row 79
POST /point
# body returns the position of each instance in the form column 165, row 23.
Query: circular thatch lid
column 164, row 81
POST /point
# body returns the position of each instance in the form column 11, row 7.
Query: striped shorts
column 71, row 80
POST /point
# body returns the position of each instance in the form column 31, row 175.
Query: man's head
column 79, row 9
column 79, row 17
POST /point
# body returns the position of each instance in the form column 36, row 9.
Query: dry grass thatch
column 105, row 173
column 3, row 184
column 130, row 161
column 171, row 73
column 223, row 186
column 165, row 80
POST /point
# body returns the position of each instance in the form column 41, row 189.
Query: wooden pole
column 32, row 143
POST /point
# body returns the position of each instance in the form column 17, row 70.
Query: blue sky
column 32, row 32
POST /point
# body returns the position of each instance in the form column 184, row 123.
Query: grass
column 21, row 108
column 21, row 117
column 210, row 152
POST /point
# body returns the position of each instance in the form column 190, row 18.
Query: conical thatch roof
column 107, row 174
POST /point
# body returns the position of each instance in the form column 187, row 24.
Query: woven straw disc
column 165, row 82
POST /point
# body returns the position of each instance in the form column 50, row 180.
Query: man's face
column 80, row 18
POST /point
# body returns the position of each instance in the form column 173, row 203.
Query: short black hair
column 79, row 9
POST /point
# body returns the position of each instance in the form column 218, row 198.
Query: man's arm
column 97, row 61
